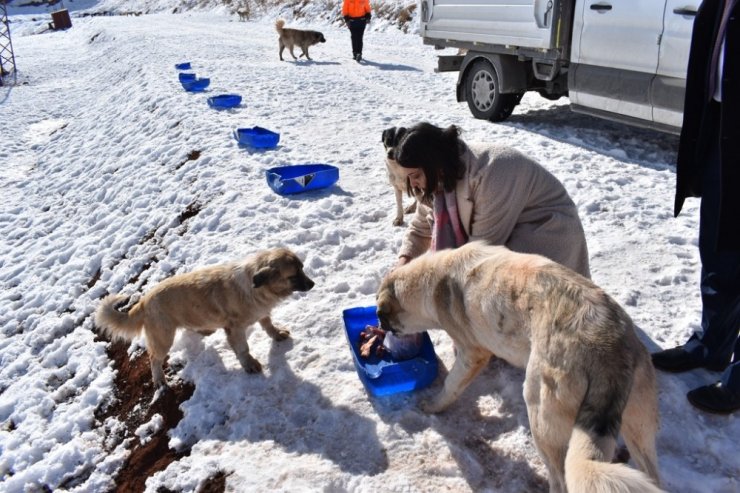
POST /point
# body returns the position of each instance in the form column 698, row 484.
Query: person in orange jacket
column 356, row 15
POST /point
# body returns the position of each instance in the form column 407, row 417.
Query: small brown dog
column 230, row 296
column 297, row 37
column 391, row 137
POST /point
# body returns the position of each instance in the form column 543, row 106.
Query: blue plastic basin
column 224, row 101
column 258, row 137
column 186, row 76
column 196, row 85
column 384, row 376
column 183, row 66
column 287, row 180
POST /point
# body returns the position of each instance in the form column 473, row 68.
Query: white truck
column 624, row 60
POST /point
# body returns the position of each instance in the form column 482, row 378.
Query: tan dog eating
column 588, row 377
column 231, row 296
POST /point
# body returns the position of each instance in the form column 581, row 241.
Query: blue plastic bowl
column 186, row 76
column 183, row 66
column 384, row 376
column 224, row 101
column 196, row 85
column 287, row 180
column 258, row 137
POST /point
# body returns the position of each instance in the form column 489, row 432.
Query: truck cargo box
column 516, row 23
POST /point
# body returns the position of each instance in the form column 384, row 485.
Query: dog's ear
column 387, row 304
column 389, row 137
column 262, row 276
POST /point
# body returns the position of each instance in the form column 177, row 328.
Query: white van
column 624, row 60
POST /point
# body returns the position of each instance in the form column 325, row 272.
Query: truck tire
column 483, row 96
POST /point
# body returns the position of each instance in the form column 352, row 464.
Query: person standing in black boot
column 708, row 166
column 356, row 15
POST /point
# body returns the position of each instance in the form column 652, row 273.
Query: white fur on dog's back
column 583, row 474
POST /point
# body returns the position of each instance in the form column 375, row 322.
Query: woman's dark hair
column 437, row 151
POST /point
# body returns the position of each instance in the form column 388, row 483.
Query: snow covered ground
column 113, row 178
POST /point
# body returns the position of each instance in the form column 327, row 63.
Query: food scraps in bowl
column 371, row 342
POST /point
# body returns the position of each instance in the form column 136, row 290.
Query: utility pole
column 7, row 58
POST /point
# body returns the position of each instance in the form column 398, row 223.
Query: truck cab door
column 614, row 56
column 669, row 87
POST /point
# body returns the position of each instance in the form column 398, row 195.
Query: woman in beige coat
column 483, row 192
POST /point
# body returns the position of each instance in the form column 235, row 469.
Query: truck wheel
column 483, row 96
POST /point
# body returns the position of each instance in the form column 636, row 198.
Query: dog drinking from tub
column 231, row 296
column 288, row 37
column 587, row 375
column 399, row 182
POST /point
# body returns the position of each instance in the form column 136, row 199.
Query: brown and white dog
column 399, row 182
column 588, row 376
column 296, row 37
column 230, row 296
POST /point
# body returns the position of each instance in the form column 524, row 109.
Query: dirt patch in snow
column 133, row 407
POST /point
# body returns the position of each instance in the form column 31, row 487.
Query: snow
column 99, row 146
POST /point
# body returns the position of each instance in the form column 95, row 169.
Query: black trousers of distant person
column 357, row 31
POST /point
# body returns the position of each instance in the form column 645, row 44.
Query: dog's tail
column 279, row 25
column 119, row 324
column 588, row 467
column 587, row 470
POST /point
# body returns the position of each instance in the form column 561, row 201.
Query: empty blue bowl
column 186, row 76
column 183, row 66
column 224, row 101
column 287, row 180
column 196, row 85
column 257, row 137
column 383, row 375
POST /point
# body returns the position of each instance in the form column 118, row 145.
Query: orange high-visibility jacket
column 355, row 8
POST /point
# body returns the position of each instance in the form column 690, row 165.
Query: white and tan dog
column 588, row 376
column 396, row 177
column 230, row 296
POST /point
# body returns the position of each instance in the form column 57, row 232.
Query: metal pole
column 7, row 57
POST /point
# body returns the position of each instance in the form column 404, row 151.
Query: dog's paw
column 280, row 334
column 398, row 221
column 433, row 406
column 252, row 366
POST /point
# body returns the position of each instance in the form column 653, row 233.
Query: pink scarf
column 447, row 231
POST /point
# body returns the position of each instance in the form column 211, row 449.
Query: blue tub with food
column 379, row 372
column 223, row 101
column 257, row 137
column 186, row 76
column 287, row 180
column 196, row 85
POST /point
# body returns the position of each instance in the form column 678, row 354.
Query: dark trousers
column 357, row 31
column 720, row 277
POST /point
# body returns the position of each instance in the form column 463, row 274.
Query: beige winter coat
column 506, row 198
